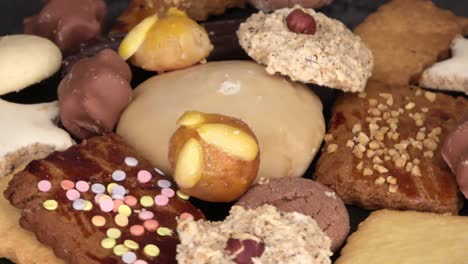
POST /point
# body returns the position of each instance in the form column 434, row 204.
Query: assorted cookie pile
column 108, row 173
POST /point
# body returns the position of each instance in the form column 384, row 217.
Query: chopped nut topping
column 419, row 123
column 386, row 115
column 380, row 168
column 367, row 172
column 430, row 144
column 374, row 145
column 357, row 152
column 370, row 153
column 436, row 131
column 394, row 126
column 416, row 161
column 428, row 154
column 388, row 97
column 401, row 110
column 418, row 92
column 417, row 145
column 392, row 188
column 360, row 166
column 380, row 180
column 424, row 109
column 420, row 136
column 373, row 102
column 375, row 112
column 409, row 166
column 363, row 139
column 392, row 152
column 328, row 137
column 401, row 146
column 395, row 136
column 391, row 180
column 431, row 97
column 387, row 158
column 377, row 160
column 362, row 95
column 332, row 148
column 400, row 162
column 350, row 143
column 395, row 113
column 410, row 106
column 356, row 128
column 415, row 171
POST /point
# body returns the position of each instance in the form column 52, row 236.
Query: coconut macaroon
column 308, row 47
column 263, row 235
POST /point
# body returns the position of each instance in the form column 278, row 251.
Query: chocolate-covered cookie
column 306, row 197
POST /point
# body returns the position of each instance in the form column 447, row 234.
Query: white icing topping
column 229, row 87
column 26, row 125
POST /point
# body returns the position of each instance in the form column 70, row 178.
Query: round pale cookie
column 333, row 56
column 285, row 116
column 26, row 60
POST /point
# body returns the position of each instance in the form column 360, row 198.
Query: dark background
column 350, row 12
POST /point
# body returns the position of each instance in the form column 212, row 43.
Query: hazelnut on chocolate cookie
column 308, row 47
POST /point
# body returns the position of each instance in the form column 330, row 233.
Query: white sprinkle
column 130, row 161
column 98, row 188
column 119, row 175
column 331, row 194
column 164, row 184
column 159, row 171
column 79, row 204
column 129, row 257
column 229, row 87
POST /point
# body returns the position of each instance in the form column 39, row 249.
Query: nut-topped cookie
column 382, row 149
column 308, row 47
column 99, row 202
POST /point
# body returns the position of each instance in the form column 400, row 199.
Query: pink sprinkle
column 146, row 215
column 130, row 200
column 185, row 216
column 161, row 200
column 144, row 176
column 82, row 186
column 168, row 192
column 73, row 194
column 44, row 186
column 137, row 230
column 151, row 225
column 67, row 185
column 107, row 205
column 140, row 262
column 97, row 197
column 117, row 204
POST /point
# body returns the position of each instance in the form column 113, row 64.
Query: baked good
column 94, row 94
column 387, row 144
column 29, row 132
column 196, row 9
column 68, row 23
column 455, row 152
column 100, row 202
column 233, row 88
column 18, row 244
column 409, row 238
column 26, row 60
column 331, row 56
column 306, row 197
column 270, row 5
column 167, row 42
column 213, row 157
column 262, row 235
column 407, row 36
column 450, row 74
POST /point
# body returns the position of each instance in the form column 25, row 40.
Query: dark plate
column 350, row 12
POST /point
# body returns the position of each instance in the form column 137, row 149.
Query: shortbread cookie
column 452, row 74
column 100, row 202
column 262, row 235
column 389, row 237
column 26, row 60
column 29, row 132
column 407, row 36
column 333, row 56
column 20, row 245
column 383, row 149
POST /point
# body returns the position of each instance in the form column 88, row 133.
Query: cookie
column 383, row 149
column 26, row 60
column 332, row 56
column 306, row 197
column 18, row 244
column 389, row 237
column 285, row 116
column 451, row 74
column 262, row 235
column 100, row 202
column 408, row 36
column 29, row 132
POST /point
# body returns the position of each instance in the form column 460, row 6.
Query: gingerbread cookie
column 407, row 36
column 29, row 132
column 451, row 74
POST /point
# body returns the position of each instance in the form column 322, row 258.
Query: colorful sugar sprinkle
column 144, row 176
column 130, row 161
column 129, row 257
column 185, row 216
column 151, row 225
column 67, row 185
column 121, row 220
column 182, row 195
column 139, row 261
column 82, row 186
column 151, row 250
column 73, row 194
column 98, row 220
column 44, row 186
column 50, row 205
column 137, row 230
column 164, row 184
column 98, row 188
column 119, row 175
column 79, row 204
column 146, row 201
column 159, row 171
column 168, row 192
column 125, row 210
column 161, row 200
column 119, row 250
column 114, row 233
column 130, row 200
column 106, row 205
column 145, row 215
column 108, row 243
column 164, row 231
column 131, row 244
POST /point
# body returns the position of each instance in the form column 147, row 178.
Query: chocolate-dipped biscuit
column 94, row 94
column 455, row 153
column 68, row 23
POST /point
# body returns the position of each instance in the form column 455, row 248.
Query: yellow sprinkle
column 113, row 233
column 119, row 250
column 147, row 201
column 88, row 206
column 151, row 250
column 121, row 220
column 108, row 243
column 125, row 210
column 98, row 220
column 131, row 244
column 111, row 186
column 164, row 231
column 50, row 205
column 182, row 195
